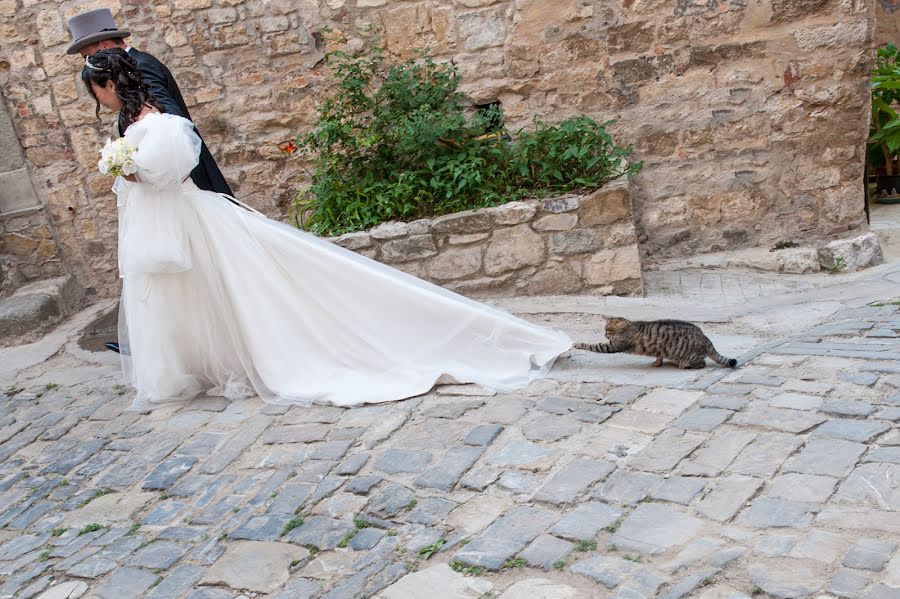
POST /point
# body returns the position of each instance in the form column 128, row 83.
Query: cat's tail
column 720, row 359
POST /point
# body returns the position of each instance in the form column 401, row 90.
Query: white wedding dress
column 219, row 299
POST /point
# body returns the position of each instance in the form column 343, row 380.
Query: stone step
column 837, row 256
column 34, row 309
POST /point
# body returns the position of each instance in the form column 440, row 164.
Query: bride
column 219, row 299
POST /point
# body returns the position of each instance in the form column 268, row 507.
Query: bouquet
column 117, row 158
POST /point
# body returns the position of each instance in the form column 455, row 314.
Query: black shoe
column 112, row 346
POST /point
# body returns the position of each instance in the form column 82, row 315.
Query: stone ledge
column 842, row 255
column 33, row 309
column 565, row 245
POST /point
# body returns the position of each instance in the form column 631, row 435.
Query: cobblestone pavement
column 781, row 478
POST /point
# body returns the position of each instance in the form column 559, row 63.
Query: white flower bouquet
column 117, row 158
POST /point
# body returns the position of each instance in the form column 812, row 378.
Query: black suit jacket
column 162, row 84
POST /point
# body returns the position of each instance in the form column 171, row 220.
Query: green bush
column 396, row 142
column 884, row 134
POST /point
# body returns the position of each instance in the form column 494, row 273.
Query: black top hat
column 93, row 26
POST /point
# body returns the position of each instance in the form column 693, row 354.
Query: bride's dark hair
column 115, row 65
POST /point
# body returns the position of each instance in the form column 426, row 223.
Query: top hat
column 93, row 26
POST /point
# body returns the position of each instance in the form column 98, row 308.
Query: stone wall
column 570, row 244
column 887, row 22
column 28, row 250
column 750, row 116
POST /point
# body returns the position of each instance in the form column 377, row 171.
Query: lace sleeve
column 168, row 149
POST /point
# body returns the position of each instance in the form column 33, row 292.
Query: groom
column 96, row 30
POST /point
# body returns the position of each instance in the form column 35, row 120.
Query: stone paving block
column 627, row 487
column 450, row 584
column 75, row 456
column 606, row 570
column 892, row 414
column 549, row 428
column 679, row 489
column 819, row 545
column 869, row 554
column 176, row 582
column 291, row 498
column 539, row 588
column 666, row 450
column 366, row 539
column 159, row 554
column 721, row 449
column 790, row 578
column 796, row 401
column 211, row 593
column 802, row 487
column 506, row 537
column 126, row 583
column 728, row 496
column 522, row 454
column 321, row 532
column 725, row 402
column 643, row 584
column 667, row 401
column 702, row 419
column 483, row 435
column 396, row 461
column 693, row 553
column 546, row 551
column 690, row 583
column 479, row 479
column 649, row 423
column 326, row 488
column 624, row 394
column 559, row 405
column 875, row 483
column 93, row 567
column 778, row 419
column 455, row 463
column 477, row 513
column 845, row 407
column 759, row 379
column 164, row 513
column 342, row 505
column 390, row 501
column 361, row 485
column 431, row 510
column 235, row 445
column 653, row 528
column 164, row 476
column 767, row 512
column 518, row 482
column 586, row 521
column 452, row 409
column 295, row 433
column 826, row 457
column 851, row 430
column 261, row 528
column 731, row 388
column 848, row 583
column 765, row 455
column 352, row 465
column 572, row 480
column 594, row 413
column 331, row 450
column 883, row 591
column 260, row 567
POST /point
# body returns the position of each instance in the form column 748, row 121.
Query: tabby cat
column 676, row 340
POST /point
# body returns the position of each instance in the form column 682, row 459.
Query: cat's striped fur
column 675, row 340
